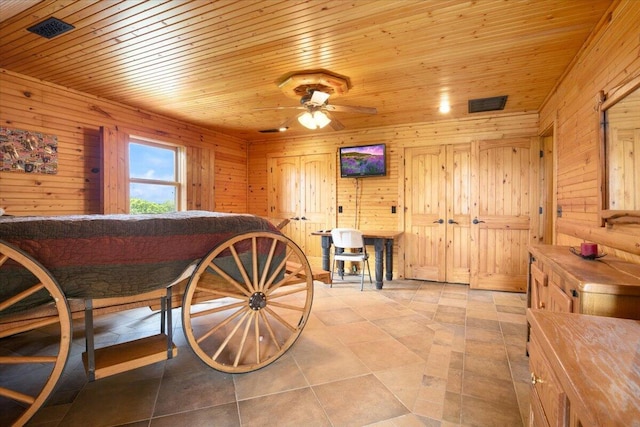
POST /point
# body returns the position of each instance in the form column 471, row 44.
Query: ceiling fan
column 318, row 112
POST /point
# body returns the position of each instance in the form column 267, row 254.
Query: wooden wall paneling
column 115, row 192
column 608, row 60
column 31, row 104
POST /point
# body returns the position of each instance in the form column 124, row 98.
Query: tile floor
column 412, row 354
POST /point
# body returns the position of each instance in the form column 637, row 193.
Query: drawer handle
column 541, row 305
column 536, row 380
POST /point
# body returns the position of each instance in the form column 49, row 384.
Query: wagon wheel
column 30, row 299
column 247, row 301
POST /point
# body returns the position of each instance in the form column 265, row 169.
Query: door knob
column 439, row 221
column 476, row 221
column 452, row 221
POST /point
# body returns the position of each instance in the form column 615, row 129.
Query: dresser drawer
column 545, row 387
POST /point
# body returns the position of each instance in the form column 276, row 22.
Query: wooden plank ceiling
column 219, row 63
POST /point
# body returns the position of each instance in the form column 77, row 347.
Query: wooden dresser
column 562, row 281
column 585, row 370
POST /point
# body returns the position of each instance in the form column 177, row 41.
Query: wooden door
column 458, row 181
column 501, row 211
column 317, row 178
column 284, row 193
column 425, row 225
column 437, row 216
column 302, row 189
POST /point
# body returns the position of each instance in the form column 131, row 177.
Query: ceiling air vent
column 50, row 28
column 487, row 104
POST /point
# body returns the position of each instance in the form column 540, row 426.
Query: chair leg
column 333, row 268
column 368, row 268
column 362, row 278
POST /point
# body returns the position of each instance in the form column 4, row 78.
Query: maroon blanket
column 99, row 256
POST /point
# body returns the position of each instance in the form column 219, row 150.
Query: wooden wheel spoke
column 267, row 324
column 14, row 360
column 287, row 306
column 287, row 293
column 222, row 293
column 28, row 326
column 256, row 328
column 3, row 259
column 241, row 268
column 268, row 288
column 17, row 396
column 267, row 266
column 230, row 279
column 22, row 295
column 231, row 334
column 254, row 263
column 280, row 319
column 218, row 309
column 245, row 333
column 221, row 324
column 288, row 278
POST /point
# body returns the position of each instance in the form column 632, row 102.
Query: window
column 156, row 182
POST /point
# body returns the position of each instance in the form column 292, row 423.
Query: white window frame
column 180, row 168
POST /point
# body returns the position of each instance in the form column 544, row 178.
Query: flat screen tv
column 363, row 161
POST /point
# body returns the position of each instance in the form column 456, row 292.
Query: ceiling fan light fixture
column 321, row 119
column 314, row 120
column 306, row 120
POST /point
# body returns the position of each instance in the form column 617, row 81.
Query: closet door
column 437, row 215
column 302, row 189
column 503, row 173
column 425, row 196
column 458, row 255
column 317, row 198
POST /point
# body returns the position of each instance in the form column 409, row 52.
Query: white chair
column 349, row 246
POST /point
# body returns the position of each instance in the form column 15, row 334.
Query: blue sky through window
column 155, row 163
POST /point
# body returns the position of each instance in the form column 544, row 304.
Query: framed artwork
column 27, row 151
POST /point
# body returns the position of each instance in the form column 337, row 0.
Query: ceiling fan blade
column 300, row 107
column 335, row 123
column 318, row 97
column 351, row 109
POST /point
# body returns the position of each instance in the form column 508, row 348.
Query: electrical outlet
column 339, row 209
column 393, row 209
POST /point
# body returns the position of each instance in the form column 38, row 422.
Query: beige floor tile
column 219, row 416
column 487, row 366
column 127, row 402
column 489, row 388
column 403, row 381
column 339, row 316
column 292, row 408
column 282, row 375
column 404, row 325
column 479, row 412
column 358, row 401
column 189, row 390
column 350, row 333
column 382, row 310
column 329, row 363
column 384, row 354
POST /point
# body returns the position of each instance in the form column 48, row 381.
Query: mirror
column 620, row 151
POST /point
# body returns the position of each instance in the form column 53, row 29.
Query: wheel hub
column 258, row 301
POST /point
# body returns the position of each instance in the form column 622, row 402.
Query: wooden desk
column 585, row 370
column 382, row 242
